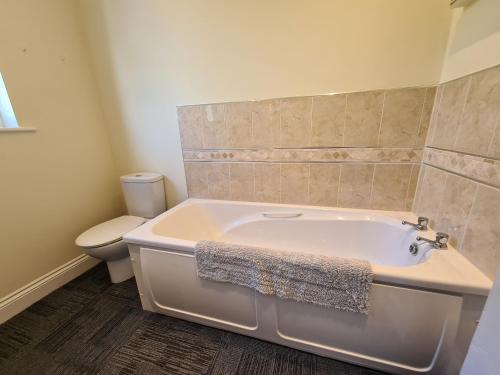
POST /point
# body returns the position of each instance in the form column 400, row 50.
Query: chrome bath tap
column 422, row 223
column 441, row 241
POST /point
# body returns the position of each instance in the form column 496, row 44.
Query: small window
column 7, row 116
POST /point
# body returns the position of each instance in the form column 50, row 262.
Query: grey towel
column 323, row 280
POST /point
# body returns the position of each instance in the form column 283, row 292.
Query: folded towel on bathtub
column 323, row 280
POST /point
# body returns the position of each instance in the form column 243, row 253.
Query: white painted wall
column 60, row 180
column 151, row 55
column 474, row 42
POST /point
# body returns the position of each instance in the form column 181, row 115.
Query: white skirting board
column 24, row 297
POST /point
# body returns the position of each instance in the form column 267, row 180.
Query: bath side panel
column 405, row 328
column 407, row 331
column 172, row 286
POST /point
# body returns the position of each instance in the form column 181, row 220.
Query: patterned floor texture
column 91, row 326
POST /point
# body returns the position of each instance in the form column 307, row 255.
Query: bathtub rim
column 446, row 270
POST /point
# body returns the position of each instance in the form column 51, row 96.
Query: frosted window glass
column 7, row 116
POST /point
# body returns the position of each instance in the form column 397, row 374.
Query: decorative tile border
column 474, row 167
column 360, row 149
column 458, row 188
column 465, row 209
column 330, row 155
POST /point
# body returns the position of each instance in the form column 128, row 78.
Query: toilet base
column 120, row 270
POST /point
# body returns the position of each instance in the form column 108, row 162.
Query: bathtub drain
column 414, row 248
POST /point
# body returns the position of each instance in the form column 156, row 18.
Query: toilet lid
column 109, row 231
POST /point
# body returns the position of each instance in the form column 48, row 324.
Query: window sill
column 17, row 130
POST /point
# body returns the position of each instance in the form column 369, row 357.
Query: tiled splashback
column 358, row 150
column 459, row 187
column 362, row 150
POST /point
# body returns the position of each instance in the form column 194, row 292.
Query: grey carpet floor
column 91, row 326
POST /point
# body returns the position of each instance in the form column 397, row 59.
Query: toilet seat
column 108, row 232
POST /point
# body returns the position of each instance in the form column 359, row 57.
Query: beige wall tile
column 324, row 184
column 266, row 123
column 295, row 122
column 416, row 198
column 434, row 116
column 242, row 181
column 390, row 185
column 355, row 185
column 482, row 235
column 209, row 132
column 328, row 118
column 423, row 129
column 455, row 207
column 238, row 117
column 267, row 182
column 412, row 187
column 481, row 112
column 449, row 113
column 494, row 149
column 401, row 117
column 190, row 119
column 214, row 129
column 218, row 180
column 294, row 183
column 363, row 115
column 197, row 180
column 430, row 193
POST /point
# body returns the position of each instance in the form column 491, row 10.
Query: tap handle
column 423, row 222
column 442, row 238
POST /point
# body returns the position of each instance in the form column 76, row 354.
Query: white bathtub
column 424, row 308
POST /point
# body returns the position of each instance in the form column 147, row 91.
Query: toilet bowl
column 104, row 241
column 145, row 198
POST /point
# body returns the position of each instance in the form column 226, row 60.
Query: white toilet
column 145, row 198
